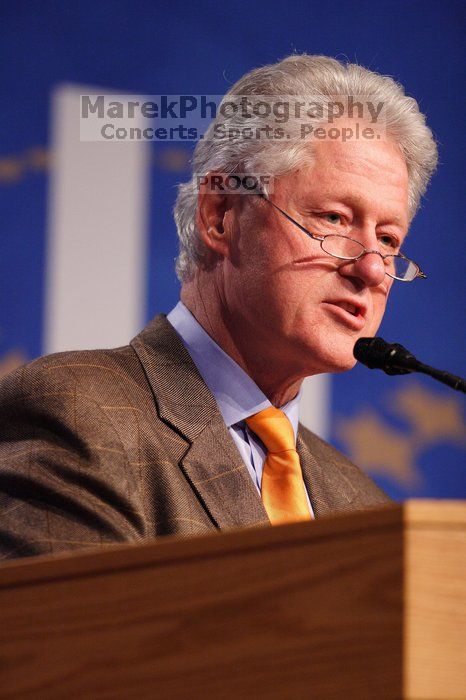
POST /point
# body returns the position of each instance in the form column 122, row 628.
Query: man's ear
column 212, row 205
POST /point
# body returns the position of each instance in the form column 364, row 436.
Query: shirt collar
column 236, row 394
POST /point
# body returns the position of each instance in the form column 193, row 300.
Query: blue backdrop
column 409, row 433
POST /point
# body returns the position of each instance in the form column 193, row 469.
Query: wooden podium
column 368, row 605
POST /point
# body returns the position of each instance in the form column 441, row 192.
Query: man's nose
column 369, row 268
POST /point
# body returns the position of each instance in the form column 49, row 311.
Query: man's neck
column 267, row 375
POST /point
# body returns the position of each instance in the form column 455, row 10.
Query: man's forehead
column 357, row 175
column 377, row 157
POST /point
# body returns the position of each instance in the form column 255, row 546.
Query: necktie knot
column 274, row 428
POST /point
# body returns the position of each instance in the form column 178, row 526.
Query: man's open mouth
column 354, row 310
column 354, row 314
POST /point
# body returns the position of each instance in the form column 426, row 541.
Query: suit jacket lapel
column 328, row 488
column 206, row 451
column 220, row 477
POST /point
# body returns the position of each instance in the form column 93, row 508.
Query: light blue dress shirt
column 236, row 394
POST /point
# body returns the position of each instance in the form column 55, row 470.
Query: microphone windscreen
column 372, row 352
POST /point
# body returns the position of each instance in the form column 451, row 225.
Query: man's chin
column 341, row 365
column 349, row 364
column 333, row 363
column 330, row 354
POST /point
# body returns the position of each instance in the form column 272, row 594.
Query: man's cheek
column 377, row 315
column 387, row 285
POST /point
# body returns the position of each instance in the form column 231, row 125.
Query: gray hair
column 299, row 75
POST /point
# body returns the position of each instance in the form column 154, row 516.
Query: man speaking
column 194, row 425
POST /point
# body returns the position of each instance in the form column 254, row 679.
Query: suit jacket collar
column 208, row 454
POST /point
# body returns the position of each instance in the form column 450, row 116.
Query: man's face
column 283, row 295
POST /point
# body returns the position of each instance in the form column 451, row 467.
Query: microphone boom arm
column 393, row 359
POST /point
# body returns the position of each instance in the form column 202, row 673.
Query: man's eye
column 332, row 217
column 389, row 241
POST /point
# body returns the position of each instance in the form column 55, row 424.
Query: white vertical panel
column 314, row 410
column 98, row 203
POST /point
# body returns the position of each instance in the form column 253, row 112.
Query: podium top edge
column 167, row 550
column 435, row 512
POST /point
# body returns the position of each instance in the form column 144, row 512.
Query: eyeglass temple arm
column 290, row 218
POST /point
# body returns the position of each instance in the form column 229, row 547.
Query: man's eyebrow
column 397, row 220
column 356, row 202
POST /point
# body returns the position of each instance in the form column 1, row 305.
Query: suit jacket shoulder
column 70, row 452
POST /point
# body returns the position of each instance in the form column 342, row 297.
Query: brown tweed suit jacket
column 128, row 444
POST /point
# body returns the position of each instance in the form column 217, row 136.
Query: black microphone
column 393, row 358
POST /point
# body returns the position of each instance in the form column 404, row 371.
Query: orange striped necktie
column 282, row 489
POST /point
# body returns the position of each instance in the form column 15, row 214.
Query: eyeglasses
column 399, row 267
